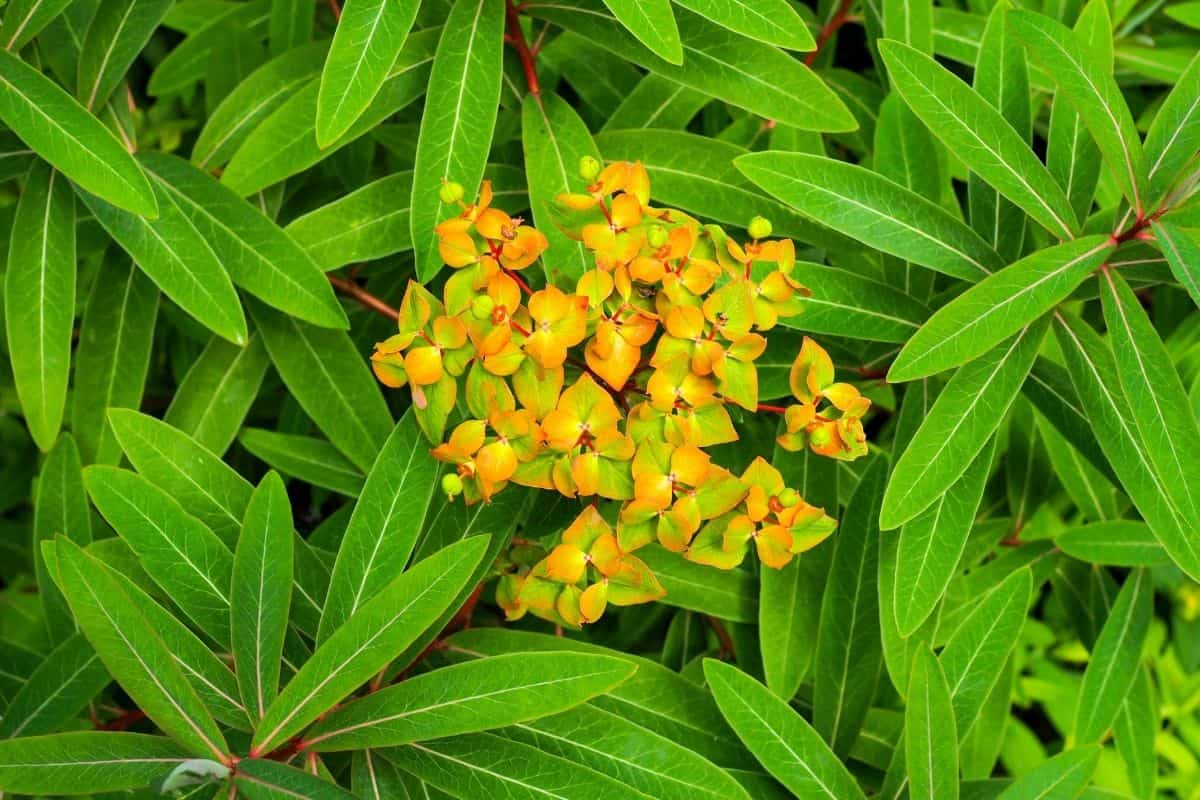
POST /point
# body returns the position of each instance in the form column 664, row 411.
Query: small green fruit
column 452, row 485
column 589, row 168
column 451, row 192
column 759, row 228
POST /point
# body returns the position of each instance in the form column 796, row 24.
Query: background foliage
column 210, row 507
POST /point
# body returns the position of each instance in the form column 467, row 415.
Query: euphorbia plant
column 614, row 388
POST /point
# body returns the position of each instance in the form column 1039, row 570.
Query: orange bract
column 612, row 388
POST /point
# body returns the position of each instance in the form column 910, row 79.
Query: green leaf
column 261, row 593
column 380, row 629
column 1092, row 92
column 656, row 102
column 61, row 131
column 199, row 481
column 311, row 460
column 977, row 133
column 910, row 23
column 187, row 63
column 369, row 36
column 258, row 255
column 259, row 779
column 118, row 330
column 177, row 257
column 1183, row 254
column 975, row 654
column 716, row 62
column 608, row 743
column 383, row 529
column 252, row 101
column 772, row 21
column 1062, row 777
column 467, row 698
column 118, row 32
column 39, row 300
column 997, row 307
column 554, row 139
column 1115, row 659
column 459, row 119
column 85, row 761
column 653, row 23
column 930, row 742
column 849, row 655
column 1096, row 377
column 789, row 748
column 133, row 652
column 486, row 765
column 729, row 595
column 369, row 223
column 62, row 685
column 932, row 543
column 876, row 211
column 1135, row 732
column 1050, row 390
column 215, row 395
column 24, row 19
column 328, row 377
column 1117, row 543
column 60, row 508
column 1174, row 136
column 844, row 303
column 697, row 174
column 285, row 143
column 962, row 419
column 183, row 556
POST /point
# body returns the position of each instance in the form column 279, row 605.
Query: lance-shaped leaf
column 85, row 761
column 1095, row 375
column 328, row 377
column 997, row 307
column 844, row 303
column 376, row 634
column 489, row 765
column 1161, row 411
column 1093, row 93
column 786, row 745
column 1183, row 255
column 554, row 140
column 729, row 595
column 368, row 38
column 179, row 259
column 930, row 741
column 652, row 23
column 717, row 62
column 261, row 593
column 118, row 32
column 469, row 697
column 1050, row 390
column 878, row 212
column 1135, row 731
column 977, row 133
column 183, row 556
column 62, row 685
column 1115, row 659
column 932, row 543
column 187, row 63
column 133, row 653
column 1116, row 543
column 215, row 395
column 962, row 419
column 849, row 656
column 62, row 132
column 459, row 119
column 60, row 508
column 39, row 299
column 305, row 458
column 369, row 223
column 258, row 255
column 204, row 485
column 252, row 101
column 260, row 779
column 1174, row 136
column 772, row 21
column 24, row 19
column 1065, row 775
column 383, row 529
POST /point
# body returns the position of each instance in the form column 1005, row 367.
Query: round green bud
column 589, row 168
column 451, row 192
column 452, row 485
column 656, row 235
column 482, row 306
column 789, row 497
column 759, row 228
column 820, row 437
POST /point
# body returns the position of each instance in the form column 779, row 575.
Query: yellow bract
column 614, row 387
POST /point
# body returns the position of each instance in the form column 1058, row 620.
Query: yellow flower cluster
column 615, row 390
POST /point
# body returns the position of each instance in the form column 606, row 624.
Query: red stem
column 363, row 297
column 516, row 37
column 836, row 21
column 774, row 409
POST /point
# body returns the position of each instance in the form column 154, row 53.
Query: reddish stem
column 519, row 281
column 727, row 650
column 336, row 8
column 773, row 409
column 363, row 297
column 836, row 21
column 123, row 722
column 516, row 37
